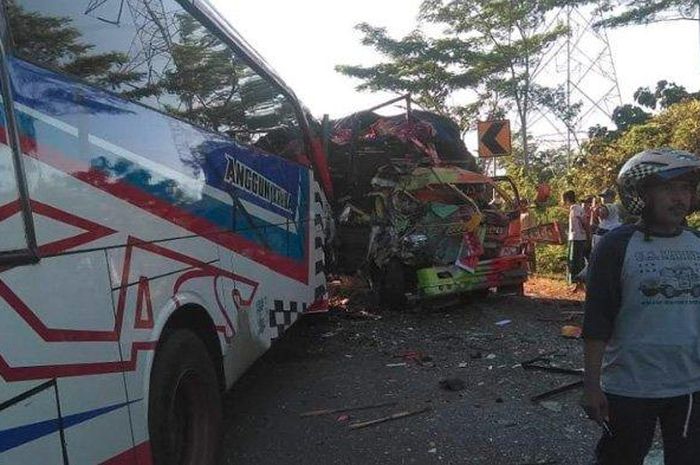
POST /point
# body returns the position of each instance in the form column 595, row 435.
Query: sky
column 303, row 40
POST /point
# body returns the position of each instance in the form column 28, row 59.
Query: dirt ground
column 358, row 356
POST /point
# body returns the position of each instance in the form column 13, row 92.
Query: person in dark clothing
column 642, row 317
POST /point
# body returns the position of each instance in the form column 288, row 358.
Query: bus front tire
column 185, row 420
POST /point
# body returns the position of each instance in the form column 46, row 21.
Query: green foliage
column 490, row 47
column 205, row 77
column 677, row 126
column 416, row 64
column 694, row 220
column 551, row 259
column 628, row 12
column 665, row 95
column 625, row 116
column 629, row 115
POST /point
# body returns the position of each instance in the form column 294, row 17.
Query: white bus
column 162, row 221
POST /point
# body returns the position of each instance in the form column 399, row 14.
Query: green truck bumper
column 440, row 281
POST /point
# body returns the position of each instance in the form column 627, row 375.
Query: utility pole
column 568, row 82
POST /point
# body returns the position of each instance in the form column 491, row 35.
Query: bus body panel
column 138, row 215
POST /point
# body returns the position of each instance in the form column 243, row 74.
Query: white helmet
column 664, row 163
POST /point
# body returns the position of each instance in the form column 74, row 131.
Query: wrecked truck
column 438, row 232
column 414, row 215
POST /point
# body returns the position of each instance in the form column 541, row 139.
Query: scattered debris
column 417, row 357
column 411, row 355
column 342, row 418
column 503, row 322
column 316, row 413
column 533, row 365
column 362, row 315
column 571, row 331
column 556, row 391
column 490, row 356
column 462, row 365
column 541, row 462
column 557, row 319
column 395, row 416
column 551, row 405
column 453, row 384
column 396, row 365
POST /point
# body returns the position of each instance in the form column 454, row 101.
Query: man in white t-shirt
column 578, row 234
column 608, row 215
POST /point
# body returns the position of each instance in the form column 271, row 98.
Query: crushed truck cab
column 413, row 213
column 442, row 231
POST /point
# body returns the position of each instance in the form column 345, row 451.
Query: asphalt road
column 339, row 361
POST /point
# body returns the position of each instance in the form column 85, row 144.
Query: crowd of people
column 589, row 221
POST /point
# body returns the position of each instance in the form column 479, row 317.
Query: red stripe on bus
column 145, row 201
column 11, row 374
column 141, row 454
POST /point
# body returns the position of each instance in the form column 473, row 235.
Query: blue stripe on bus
column 275, row 237
column 15, row 437
column 144, row 131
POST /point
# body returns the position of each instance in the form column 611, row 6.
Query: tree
column 675, row 126
column 627, row 116
column 197, row 77
column 54, row 42
column 665, row 95
column 493, row 48
column 417, row 64
column 629, row 12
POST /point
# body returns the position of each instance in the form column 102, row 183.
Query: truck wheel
column 184, row 406
column 393, row 285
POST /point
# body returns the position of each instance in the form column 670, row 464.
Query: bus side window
column 157, row 53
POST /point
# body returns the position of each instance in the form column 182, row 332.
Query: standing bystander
column 642, row 317
column 577, row 237
column 608, row 216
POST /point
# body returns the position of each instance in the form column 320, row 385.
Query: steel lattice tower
column 582, row 66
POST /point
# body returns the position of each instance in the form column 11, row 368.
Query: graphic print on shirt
column 671, row 274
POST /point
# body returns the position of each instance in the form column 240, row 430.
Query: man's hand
column 594, row 401
column 595, row 404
